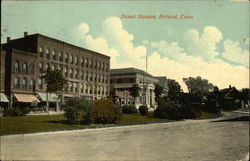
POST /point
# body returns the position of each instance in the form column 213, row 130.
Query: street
column 219, row 139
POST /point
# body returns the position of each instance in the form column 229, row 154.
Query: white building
column 122, row 81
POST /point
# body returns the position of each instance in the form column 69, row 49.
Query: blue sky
column 214, row 43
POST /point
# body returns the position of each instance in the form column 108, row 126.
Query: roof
column 26, row 98
column 162, row 81
column 230, row 92
column 129, row 71
column 3, row 98
column 38, row 34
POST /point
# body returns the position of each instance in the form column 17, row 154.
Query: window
column 71, row 73
column 52, row 67
column 54, row 54
column 87, row 76
column 98, row 78
column 16, row 83
column 60, row 56
column 95, row 65
column 16, row 64
column 76, row 87
column 47, row 52
column 82, row 75
column 99, row 65
column 82, row 61
column 24, row 68
column 76, row 73
column 70, row 86
column 31, row 68
column 90, row 63
column 90, row 76
column 71, row 59
column 47, row 66
column 40, row 67
column 41, row 51
column 40, row 83
column 86, row 62
column 76, row 60
column 86, row 89
column 103, row 66
column 31, row 84
column 90, row 90
column 106, row 67
column 24, row 83
column 65, row 71
column 82, row 88
column 66, row 57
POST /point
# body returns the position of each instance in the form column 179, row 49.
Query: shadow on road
column 241, row 118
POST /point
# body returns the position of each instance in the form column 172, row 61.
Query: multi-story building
column 27, row 59
column 3, row 99
column 122, row 81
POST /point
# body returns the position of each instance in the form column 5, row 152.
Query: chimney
column 230, row 86
column 8, row 39
column 25, row 34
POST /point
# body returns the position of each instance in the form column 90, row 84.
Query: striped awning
column 51, row 97
column 3, row 98
column 26, row 98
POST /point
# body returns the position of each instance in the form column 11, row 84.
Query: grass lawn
column 31, row 124
column 207, row 115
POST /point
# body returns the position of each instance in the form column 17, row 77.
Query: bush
column 105, row 111
column 143, row 110
column 15, row 112
column 129, row 109
column 78, row 110
column 191, row 110
column 73, row 115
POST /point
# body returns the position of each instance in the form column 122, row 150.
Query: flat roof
column 129, row 71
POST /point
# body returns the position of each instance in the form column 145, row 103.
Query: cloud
column 169, row 58
column 234, row 53
column 203, row 45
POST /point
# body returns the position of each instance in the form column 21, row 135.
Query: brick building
column 27, row 58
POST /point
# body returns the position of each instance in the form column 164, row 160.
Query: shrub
column 143, row 110
column 73, row 115
column 129, row 109
column 16, row 112
column 105, row 111
column 191, row 110
column 78, row 110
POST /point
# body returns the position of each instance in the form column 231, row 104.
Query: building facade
column 27, row 59
column 122, row 81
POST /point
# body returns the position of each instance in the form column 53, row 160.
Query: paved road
column 190, row 140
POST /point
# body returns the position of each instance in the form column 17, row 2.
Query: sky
column 179, row 38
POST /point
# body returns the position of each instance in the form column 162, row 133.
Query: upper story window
column 76, row 73
column 82, row 61
column 82, row 75
column 47, row 66
column 71, row 73
column 16, row 65
column 31, row 84
column 66, row 72
column 90, row 63
column 41, row 51
column 95, row 64
column 103, row 66
column 31, row 68
column 40, row 83
column 87, row 76
column 47, row 52
column 24, row 69
column 24, row 83
column 40, row 67
column 76, row 60
column 60, row 56
column 87, row 62
column 52, row 67
column 66, row 57
column 16, row 83
column 106, row 67
column 54, row 54
column 71, row 59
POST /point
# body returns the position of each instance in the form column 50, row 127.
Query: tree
column 245, row 95
column 198, row 85
column 134, row 91
column 158, row 91
column 174, row 89
column 55, row 82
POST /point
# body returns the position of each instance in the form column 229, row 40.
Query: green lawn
column 30, row 124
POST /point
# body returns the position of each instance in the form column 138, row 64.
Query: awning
column 26, row 98
column 3, row 98
column 51, row 97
